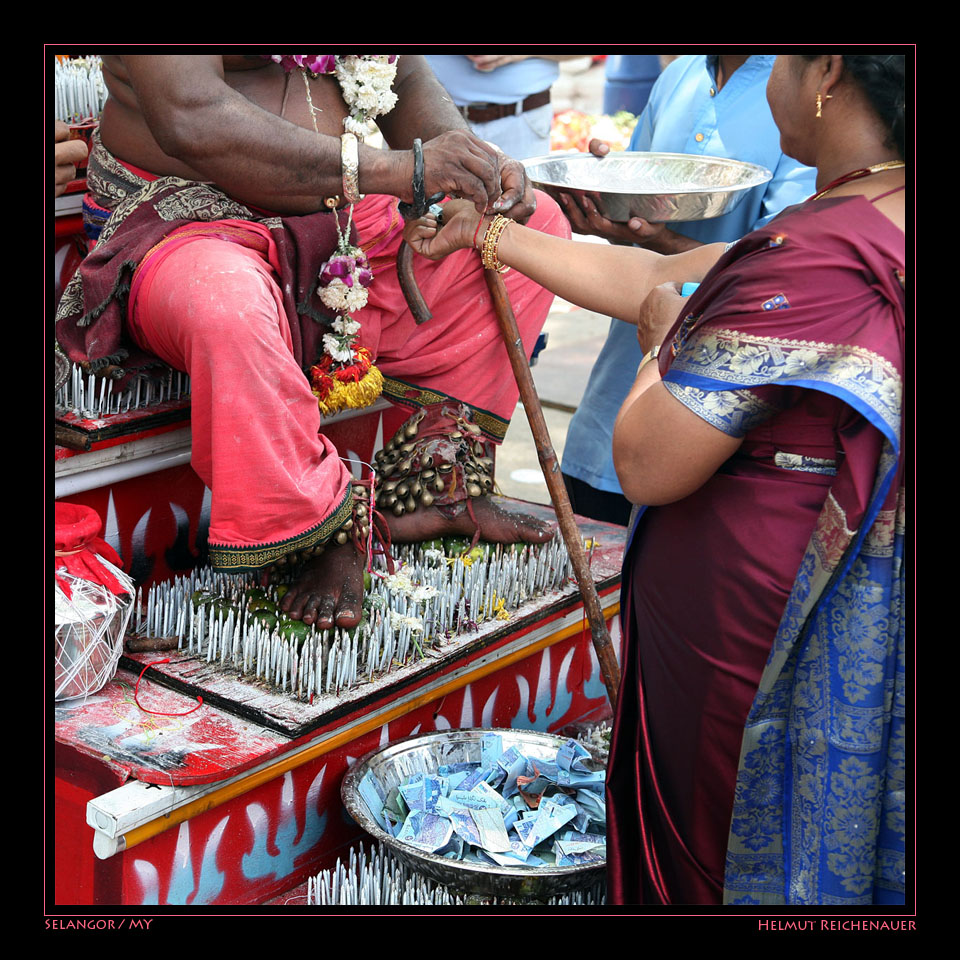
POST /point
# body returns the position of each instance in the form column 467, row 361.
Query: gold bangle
column 350, row 167
column 491, row 243
column 652, row 355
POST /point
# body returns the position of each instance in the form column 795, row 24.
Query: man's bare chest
column 290, row 96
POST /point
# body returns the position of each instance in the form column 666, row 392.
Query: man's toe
column 325, row 612
column 292, row 604
column 348, row 609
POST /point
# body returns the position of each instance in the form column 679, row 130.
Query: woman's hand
column 460, row 223
column 657, row 315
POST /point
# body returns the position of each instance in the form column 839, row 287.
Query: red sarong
column 208, row 302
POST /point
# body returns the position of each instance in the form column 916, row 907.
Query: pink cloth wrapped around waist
column 209, row 300
column 453, row 354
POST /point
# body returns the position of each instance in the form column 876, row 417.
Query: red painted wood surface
column 132, row 425
column 255, row 846
column 261, row 844
column 157, row 523
column 203, row 746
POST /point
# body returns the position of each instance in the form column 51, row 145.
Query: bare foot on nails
column 496, row 525
column 329, row 590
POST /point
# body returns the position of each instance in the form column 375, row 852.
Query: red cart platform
column 238, row 801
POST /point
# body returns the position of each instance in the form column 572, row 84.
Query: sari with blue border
column 815, row 302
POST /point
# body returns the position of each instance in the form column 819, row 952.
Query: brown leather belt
column 485, row 112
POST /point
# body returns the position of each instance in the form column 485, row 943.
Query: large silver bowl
column 656, row 186
column 425, row 753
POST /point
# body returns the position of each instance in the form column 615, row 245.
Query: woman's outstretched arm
column 612, row 280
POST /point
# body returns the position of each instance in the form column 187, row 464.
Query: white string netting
column 90, row 627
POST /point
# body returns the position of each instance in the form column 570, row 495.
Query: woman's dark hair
column 881, row 78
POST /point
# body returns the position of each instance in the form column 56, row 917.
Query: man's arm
column 263, row 159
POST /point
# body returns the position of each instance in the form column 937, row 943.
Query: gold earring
column 820, row 100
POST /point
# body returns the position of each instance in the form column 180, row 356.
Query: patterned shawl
column 91, row 314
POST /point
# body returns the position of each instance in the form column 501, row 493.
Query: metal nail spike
column 151, row 606
column 379, row 878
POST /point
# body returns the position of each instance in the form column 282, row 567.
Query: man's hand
column 67, row 154
column 585, row 217
column 463, row 166
column 658, row 313
column 460, row 164
column 517, row 201
column 490, row 61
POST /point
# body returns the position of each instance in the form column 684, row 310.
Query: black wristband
column 421, row 203
column 419, row 190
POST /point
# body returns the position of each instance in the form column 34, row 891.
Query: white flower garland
column 366, row 84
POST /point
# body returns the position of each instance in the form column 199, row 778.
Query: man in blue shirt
column 504, row 97
column 707, row 106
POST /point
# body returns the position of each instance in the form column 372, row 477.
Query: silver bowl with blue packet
column 438, row 844
column 658, row 187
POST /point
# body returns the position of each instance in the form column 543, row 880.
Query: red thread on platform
column 159, row 713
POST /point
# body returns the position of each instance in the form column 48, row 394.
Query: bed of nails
column 438, row 591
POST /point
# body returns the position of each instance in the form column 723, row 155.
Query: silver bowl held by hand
column 655, row 186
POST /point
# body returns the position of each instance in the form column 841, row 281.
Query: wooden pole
column 609, row 668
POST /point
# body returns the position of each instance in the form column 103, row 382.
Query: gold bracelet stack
column 491, row 242
column 350, row 167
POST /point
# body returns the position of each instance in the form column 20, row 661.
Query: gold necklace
column 858, row 174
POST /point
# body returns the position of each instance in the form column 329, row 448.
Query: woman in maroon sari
column 758, row 749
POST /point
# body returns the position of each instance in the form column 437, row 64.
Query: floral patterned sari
column 789, row 646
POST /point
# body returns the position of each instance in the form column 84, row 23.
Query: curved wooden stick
column 408, row 284
column 609, row 668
